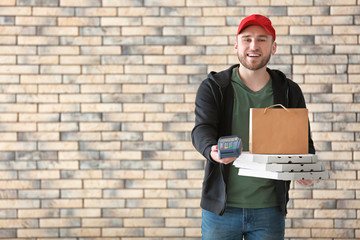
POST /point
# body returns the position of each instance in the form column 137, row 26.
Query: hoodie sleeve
column 205, row 131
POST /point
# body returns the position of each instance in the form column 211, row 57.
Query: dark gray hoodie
column 213, row 112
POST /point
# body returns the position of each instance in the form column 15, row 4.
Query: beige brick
column 179, row 222
column 101, row 69
column 52, row 11
column 165, row 212
column 36, row 232
column 179, row 108
column 96, row 40
column 59, row 223
column 58, row 69
column 99, row 184
column 146, row 107
column 334, row 2
column 18, row 49
column 8, row 3
column 138, row 11
column 60, row 184
column 105, row 146
column 23, row 69
column 163, row 60
column 297, row 232
column 123, row 117
column 123, row 232
column 163, row 136
column 101, row 107
column 32, row 40
column 346, row 175
column 120, row 21
column 311, row 203
column 186, row 69
column 348, row 204
column 7, row 41
column 123, row 212
column 340, row 40
column 144, row 222
column 41, row 174
column 80, row 232
column 332, row 194
column 332, row 20
column 164, row 194
column 320, row 69
column 89, row 212
column 123, row 193
column 125, row 174
column 18, row 146
column 338, row 213
column 99, row 222
column 35, row 21
column 58, row 146
column 38, row 213
column 206, row 59
column 78, row 21
column 162, row 21
column 15, row 203
column 20, row 127
column 122, row 155
column 81, row 3
column 183, row 50
column 308, row 10
column 170, row 232
column 38, row 60
column 337, row 233
column 100, row 50
column 104, row 203
column 138, row 88
column 334, row 136
column 62, row 203
column 310, row 30
column 39, row 194
column 80, row 60
column 344, row 10
column 58, row 50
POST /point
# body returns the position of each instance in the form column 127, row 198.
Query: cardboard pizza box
column 277, row 158
column 279, row 167
column 291, row 176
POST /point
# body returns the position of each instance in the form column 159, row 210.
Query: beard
column 252, row 65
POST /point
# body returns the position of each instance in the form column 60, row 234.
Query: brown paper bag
column 278, row 130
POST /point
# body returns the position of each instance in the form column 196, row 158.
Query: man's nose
column 253, row 45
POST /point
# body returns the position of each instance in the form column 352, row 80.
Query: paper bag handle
column 275, row 105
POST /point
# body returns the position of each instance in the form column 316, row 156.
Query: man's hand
column 304, row 182
column 215, row 156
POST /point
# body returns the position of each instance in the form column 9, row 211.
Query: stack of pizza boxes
column 280, row 166
column 278, row 146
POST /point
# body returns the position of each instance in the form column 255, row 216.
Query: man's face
column 254, row 47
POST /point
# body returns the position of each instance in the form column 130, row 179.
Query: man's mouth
column 253, row 55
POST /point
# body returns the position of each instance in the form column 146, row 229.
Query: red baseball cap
column 260, row 20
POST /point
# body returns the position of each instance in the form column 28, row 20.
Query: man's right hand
column 215, row 156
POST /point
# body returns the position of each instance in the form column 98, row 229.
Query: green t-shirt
column 248, row 192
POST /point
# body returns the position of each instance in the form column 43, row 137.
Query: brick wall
column 97, row 100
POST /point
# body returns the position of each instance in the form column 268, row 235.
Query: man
column 237, row 206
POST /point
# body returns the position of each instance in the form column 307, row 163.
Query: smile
column 253, row 55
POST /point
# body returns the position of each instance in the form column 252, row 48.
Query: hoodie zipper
column 287, row 105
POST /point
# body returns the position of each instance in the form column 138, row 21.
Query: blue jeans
column 250, row 223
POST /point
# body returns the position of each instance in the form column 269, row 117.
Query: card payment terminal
column 229, row 146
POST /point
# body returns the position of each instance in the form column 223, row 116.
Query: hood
column 280, row 82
